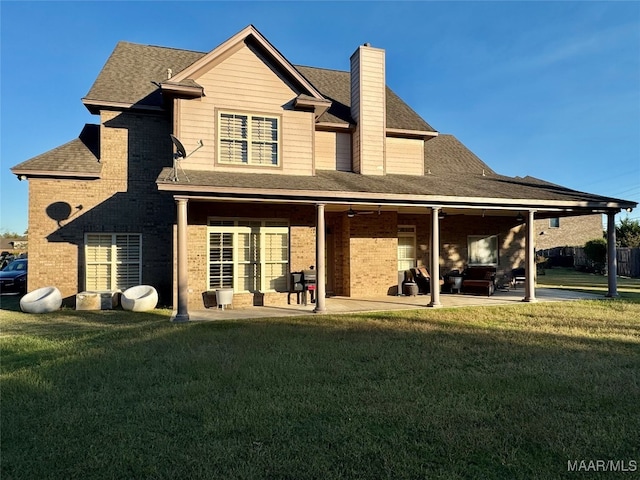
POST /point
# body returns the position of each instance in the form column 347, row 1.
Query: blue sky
column 548, row 89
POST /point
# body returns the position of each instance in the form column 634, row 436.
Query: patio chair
column 423, row 279
column 140, row 298
column 42, row 300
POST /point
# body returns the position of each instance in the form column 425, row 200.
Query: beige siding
column 245, row 83
column 405, row 156
column 368, row 108
column 333, row 151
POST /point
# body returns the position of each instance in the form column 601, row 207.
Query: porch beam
column 612, row 255
column 530, row 259
column 182, row 314
column 320, row 260
column 435, row 258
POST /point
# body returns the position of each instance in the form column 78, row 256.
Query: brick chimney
column 369, row 110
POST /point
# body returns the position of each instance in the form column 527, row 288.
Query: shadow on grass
column 365, row 396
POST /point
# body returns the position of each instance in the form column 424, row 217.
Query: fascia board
column 94, row 106
column 403, row 133
column 392, row 199
column 55, row 174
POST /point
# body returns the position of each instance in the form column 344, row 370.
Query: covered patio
column 346, row 305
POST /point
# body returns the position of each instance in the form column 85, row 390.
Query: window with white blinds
column 113, row 261
column 248, row 255
column 248, row 139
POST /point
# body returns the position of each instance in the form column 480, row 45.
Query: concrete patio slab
column 343, row 305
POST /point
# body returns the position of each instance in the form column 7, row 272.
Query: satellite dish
column 181, row 152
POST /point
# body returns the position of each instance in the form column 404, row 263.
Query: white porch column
column 182, row 314
column 435, row 258
column 320, row 256
column 530, row 259
column 612, row 256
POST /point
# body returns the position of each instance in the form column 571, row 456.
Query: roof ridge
column 322, row 68
column 159, row 47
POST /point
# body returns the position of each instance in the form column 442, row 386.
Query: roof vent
column 367, row 44
column 483, row 174
column 169, row 73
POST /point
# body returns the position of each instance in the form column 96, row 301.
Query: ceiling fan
column 352, row 213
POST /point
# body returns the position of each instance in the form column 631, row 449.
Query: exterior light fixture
column 519, row 218
column 351, row 213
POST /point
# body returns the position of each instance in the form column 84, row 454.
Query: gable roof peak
column 242, row 36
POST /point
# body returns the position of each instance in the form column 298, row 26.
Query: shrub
column 596, row 252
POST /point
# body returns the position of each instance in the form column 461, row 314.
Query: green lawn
column 495, row 392
column 571, row 279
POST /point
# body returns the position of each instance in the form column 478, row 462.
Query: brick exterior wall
column 573, row 231
column 373, row 259
column 361, row 251
column 134, row 148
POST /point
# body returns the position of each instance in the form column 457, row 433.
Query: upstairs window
column 246, row 139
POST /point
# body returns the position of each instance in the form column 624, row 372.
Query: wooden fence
column 628, row 259
column 628, row 262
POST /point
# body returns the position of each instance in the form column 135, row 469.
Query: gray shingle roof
column 446, row 155
column 130, row 71
column 128, row 74
column 436, row 186
column 80, row 157
column 456, row 173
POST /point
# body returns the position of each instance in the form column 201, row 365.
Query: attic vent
column 169, row 73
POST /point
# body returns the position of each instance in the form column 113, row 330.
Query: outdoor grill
column 301, row 283
column 309, row 284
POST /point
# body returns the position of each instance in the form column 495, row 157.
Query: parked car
column 13, row 278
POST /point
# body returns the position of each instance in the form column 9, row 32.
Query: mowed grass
column 571, row 279
column 494, row 392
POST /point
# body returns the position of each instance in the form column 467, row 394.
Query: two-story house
column 284, row 167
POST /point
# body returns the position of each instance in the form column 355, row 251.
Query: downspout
column 612, row 255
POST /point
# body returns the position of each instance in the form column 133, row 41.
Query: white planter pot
column 42, row 300
column 224, row 296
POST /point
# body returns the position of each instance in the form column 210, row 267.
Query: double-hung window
column 112, row 261
column 245, row 139
column 248, row 255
